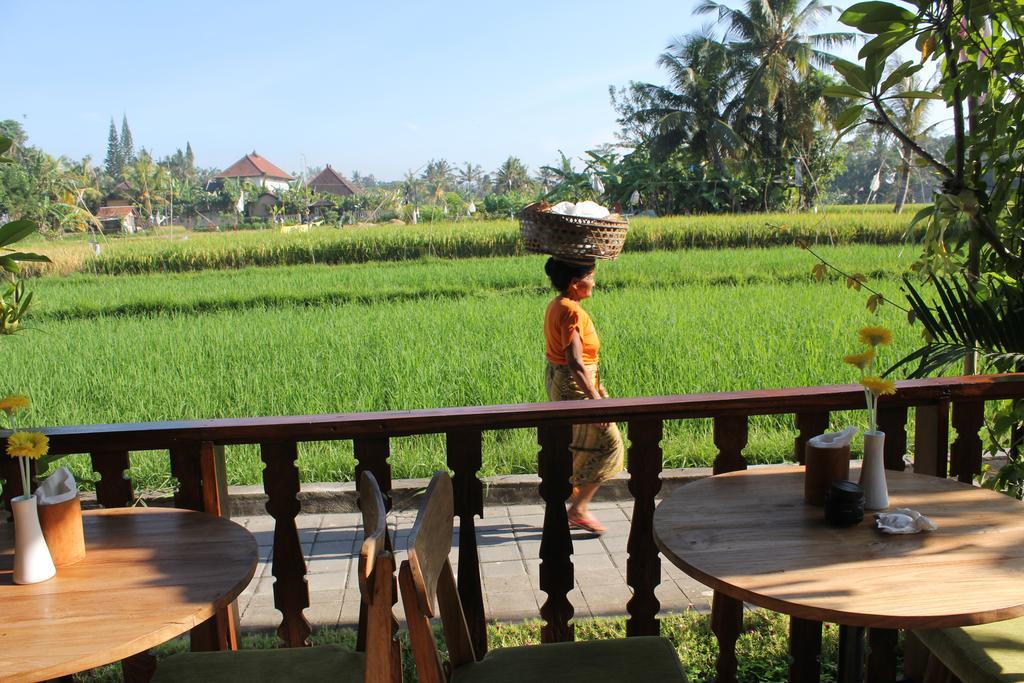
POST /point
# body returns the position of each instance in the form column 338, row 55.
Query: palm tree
column 694, row 110
column 146, row 179
column 438, row 175
column 511, row 176
column 910, row 115
column 469, row 177
column 770, row 44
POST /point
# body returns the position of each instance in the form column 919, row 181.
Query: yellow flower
column 27, row 445
column 874, row 336
column 12, row 403
column 860, row 360
column 879, row 386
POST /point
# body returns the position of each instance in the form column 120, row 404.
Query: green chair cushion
column 632, row 660
column 323, row 663
column 990, row 652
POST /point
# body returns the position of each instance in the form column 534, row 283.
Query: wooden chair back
column 428, row 586
column 376, row 588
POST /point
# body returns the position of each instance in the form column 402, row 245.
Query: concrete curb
column 325, row 497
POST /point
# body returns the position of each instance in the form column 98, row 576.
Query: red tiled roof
column 329, row 180
column 253, row 166
column 114, row 211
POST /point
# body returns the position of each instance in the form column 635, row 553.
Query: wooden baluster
column 291, row 592
column 808, row 425
column 114, row 488
column 643, row 566
column 730, row 434
column 202, row 486
column 882, row 655
column 726, row 624
column 804, row 650
column 187, row 469
column 931, row 439
column 12, row 482
column 965, row 455
column 465, row 457
column 892, row 420
column 554, row 464
column 373, row 455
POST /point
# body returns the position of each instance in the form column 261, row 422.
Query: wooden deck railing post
column 730, row 436
column 643, row 565
column 931, row 439
column 808, row 424
column 202, row 478
column 114, row 488
column 465, row 457
column 804, row 650
column 373, row 455
column 892, row 420
column 554, row 464
column 291, row 592
column 965, row 454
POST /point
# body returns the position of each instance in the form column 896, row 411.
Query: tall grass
column 671, row 328
column 183, row 252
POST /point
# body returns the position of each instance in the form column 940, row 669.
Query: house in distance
column 330, row 181
column 253, row 168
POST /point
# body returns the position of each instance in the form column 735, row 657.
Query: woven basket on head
column 573, row 238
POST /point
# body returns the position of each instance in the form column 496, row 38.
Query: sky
column 379, row 88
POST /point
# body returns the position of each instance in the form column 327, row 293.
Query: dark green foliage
column 126, row 145
column 113, row 164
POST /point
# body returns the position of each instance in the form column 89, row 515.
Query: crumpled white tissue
column 903, row 521
column 833, row 439
column 585, row 209
column 57, row 488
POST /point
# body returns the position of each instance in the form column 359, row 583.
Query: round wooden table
column 149, row 575
column 750, row 536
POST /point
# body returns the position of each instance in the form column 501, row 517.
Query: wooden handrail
column 338, row 426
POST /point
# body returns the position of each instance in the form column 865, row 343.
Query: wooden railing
column 197, row 461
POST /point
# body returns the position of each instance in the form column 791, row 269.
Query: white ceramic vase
column 872, row 472
column 32, row 561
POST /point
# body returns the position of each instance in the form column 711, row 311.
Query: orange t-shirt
column 562, row 317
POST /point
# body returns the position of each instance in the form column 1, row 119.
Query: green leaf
column 874, row 17
column 842, row 91
column 849, row 116
column 904, row 70
column 28, row 256
column 16, row 230
column 5, row 144
column 915, row 95
column 853, row 73
column 884, row 44
column 9, row 264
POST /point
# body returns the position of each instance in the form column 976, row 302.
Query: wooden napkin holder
column 62, row 529
column 822, row 467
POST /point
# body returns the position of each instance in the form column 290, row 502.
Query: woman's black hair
column 562, row 273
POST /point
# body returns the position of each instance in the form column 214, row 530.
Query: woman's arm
column 578, row 371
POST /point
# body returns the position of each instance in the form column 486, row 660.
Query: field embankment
column 186, row 252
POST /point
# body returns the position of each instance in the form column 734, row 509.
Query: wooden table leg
column 851, row 654
column 882, row 655
column 726, row 623
column 138, row 668
column 804, row 650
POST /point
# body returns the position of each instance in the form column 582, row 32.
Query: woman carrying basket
column 572, row 374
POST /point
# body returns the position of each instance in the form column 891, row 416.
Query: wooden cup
column 62, row 529
column 824, row 466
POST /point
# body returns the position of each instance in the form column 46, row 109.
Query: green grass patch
column 762, row 650
column 671, row 323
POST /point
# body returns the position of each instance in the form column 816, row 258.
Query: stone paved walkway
column 509, row 545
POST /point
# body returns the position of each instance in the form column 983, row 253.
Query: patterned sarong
column 596, row 453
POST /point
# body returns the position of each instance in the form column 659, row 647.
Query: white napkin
column 57, row 488
column 833, row 439
column 586, row 209
column 903, row 521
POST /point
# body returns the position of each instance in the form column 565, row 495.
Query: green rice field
column 435, row 333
